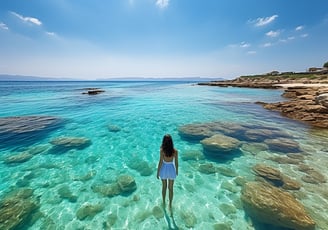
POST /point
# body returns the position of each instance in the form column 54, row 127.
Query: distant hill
column 4, row 77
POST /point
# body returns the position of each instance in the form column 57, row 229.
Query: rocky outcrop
column 271, row 205
column 93, row 91
column 306, row 104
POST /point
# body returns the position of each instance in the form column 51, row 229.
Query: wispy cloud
column 273, row 34
column 51, row 33
column 162, row 4
column 263, row 21
column 251, row 52
column 268, row 44
column 304, row 35
column 3, row 26
column 245, row 45
column 34, row 21
column 299, row 28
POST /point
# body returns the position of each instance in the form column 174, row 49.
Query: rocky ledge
column 308, row 97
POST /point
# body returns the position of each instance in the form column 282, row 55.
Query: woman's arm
column 176, row 162
column 160, row 162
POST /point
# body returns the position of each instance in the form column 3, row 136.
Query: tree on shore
column 325, row 65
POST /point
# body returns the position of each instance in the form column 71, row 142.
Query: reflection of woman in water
column 167, row 167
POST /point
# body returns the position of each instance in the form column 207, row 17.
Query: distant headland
column 307, row 93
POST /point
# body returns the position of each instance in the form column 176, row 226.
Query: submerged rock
column 275, row 177
column 268, row 204
column 207, row 168
column 283, row 145
column 17, row 209
column 89, row 210
column 126, row 183
column 192, row 155
column 314, row 177
column 195, row 131
column 65, row 193
column 71, row 142
column 113, row 128
column 26, row 129
column 141, row 166
column 18, row 158
column 188, row 218
column 220, row 144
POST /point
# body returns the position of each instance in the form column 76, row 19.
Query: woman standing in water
column 167, row 168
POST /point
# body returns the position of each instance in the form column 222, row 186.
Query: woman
column 167, row 168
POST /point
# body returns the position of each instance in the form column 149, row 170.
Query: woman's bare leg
column 164, row 187
column 171, row 182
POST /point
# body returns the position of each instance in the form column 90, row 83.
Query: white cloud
column 299, row 28
column 3, row 26
column 34, row 21
column 162, row 3
column 263, row 21
column 291, row 38
column 244, row 45
column 268, row 44
column 273, row 34
column 304, row 35
column 251, row 52
column 51, row 33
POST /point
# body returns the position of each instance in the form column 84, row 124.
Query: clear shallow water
column 144, row 112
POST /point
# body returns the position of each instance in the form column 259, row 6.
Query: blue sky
column 161, row 38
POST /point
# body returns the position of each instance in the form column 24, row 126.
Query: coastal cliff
column 307, row 94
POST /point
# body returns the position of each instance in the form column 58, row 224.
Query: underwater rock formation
column 18, row 158
column 89, row 210
column 271, row 205
column 284, row 145
column 26, row 128
column 71, row 142
column 17, row 209
column 220, row 144
column 275, row 177
column 125, row 184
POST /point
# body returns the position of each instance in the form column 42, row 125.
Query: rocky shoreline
column 308, row 97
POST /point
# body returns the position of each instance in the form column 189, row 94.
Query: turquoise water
column 141, row 113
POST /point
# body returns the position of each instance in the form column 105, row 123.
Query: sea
column 63, row 154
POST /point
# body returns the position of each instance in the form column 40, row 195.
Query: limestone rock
column 141, row 166
column 322, row 99
column 207, row 168
column 65, row 193
column 275, row 177
column 71, row 142
column 126, row 183
column 188, row 218
column 113, row 128
column 26, row 129
column 18, row 158
column 283, row 145
column 192, row 155
column 220, row 144
column 89, row 210
column 17, row 209
column 273, row 206
column 109, row 190
column 158, row 212
column 195, row 131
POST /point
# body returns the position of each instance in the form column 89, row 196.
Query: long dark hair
column 167, row 145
